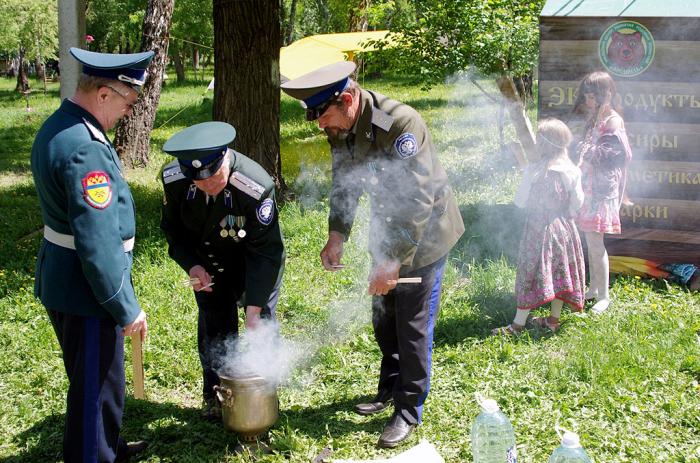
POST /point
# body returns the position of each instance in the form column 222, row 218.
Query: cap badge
column 196, row 163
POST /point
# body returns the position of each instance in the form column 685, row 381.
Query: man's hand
column 204, row 279
column 332, row 251
column 139, row 325
column 252, row 317
column 382, row 278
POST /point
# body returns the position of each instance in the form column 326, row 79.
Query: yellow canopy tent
column 310, row 53
column 316, row 51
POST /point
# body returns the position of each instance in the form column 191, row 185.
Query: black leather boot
column 396, row 431
column 382, row 400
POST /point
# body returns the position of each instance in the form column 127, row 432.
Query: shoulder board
column 381, row 119
column 95, row 132
column 172, row 173
column 247, row 185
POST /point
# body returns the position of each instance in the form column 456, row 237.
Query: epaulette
column 381, row 119
column 95, row 132
column 247, row 185
column 172, row 173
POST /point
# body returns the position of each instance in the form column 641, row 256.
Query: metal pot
column 249, row 404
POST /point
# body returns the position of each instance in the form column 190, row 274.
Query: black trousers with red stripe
column 93, row 355
column 403, row 322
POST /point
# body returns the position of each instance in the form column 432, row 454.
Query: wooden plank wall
column 662, row 115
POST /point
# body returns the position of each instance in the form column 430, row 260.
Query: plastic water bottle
column 570, row 450
column 493, row 439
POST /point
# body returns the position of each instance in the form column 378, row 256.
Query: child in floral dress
column 604, row 155
column 550, row 260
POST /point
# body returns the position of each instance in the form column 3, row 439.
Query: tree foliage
column 331, row 16
column 115, row 24
column 498, row 37
column 31, row 25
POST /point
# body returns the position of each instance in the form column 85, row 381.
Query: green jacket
column 83, row 194
column 194, row 226
column 390, row 155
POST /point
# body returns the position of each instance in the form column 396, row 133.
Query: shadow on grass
column 176, row 433
column 329, row 419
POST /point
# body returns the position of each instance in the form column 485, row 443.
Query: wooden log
column 516, row 110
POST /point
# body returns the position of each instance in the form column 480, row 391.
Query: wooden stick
column 137, row 363
column 406, row 280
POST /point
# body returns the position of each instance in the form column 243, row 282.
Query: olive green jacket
column 390, row 155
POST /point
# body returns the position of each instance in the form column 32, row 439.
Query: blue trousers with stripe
column 93, row 355
column 403, row 322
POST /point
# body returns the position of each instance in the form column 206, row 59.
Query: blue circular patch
column 266, row 211
column 406, row 145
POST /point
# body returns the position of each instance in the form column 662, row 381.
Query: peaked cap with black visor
column 128, row 68
column 200, row 149
column 318, row 89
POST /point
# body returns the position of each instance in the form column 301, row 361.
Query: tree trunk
column 22, row 80
column 133, row 134
column 358, row 23
column 247, row 75
column 516, row 109
column 195, row 58
column 178, row 62
column 40, row 71
column 358, row 16
column 289, row 33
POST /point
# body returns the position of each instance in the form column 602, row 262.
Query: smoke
column 261, row 351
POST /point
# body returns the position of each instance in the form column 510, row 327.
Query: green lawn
column 627, row 380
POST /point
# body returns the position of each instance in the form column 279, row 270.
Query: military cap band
column 200, row 149
column 325, row 95
column 129, row 68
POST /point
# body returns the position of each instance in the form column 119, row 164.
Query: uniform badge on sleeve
column 406, row 145
column 266, row 211
column 97, row 189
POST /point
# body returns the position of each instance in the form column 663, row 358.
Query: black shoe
column 382, row 400
column 396, row 431
column 131, row 450
column 211, row 409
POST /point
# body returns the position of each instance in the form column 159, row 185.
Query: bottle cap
column 570, row 440
column 490, row 406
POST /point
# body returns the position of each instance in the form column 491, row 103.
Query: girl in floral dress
column 604, row 154
column 550, row 260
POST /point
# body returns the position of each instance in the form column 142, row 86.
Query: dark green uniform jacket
column 82, row 193
column 414, row 214
column 194, row 226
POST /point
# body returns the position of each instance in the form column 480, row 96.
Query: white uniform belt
column 68, row 241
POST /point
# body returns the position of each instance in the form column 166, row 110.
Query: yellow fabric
column 310, row 53
column 636, row 266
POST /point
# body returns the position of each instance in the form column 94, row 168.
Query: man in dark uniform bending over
column 220, row 220
column 383, row 147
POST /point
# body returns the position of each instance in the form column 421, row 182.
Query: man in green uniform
column 83, row 274
column 220, row 220
column 383, row 147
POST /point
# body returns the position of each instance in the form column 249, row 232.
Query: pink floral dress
column 550, row 260
column 604, row 158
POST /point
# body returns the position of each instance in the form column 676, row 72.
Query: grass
column 627, row 380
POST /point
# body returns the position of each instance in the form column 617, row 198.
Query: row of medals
column 227, row 227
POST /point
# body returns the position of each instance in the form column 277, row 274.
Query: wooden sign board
column 655, row 61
